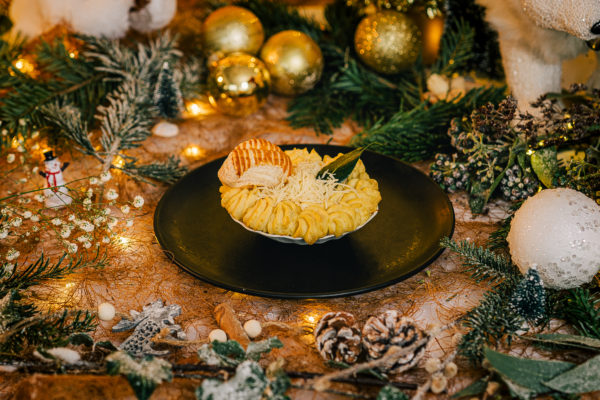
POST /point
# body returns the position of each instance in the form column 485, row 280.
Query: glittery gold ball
column 294, row 61
column 238, row 84
column 387, row 41
column 232, row 29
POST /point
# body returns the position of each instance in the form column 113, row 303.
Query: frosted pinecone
column 338, row 338
column 518, row 184
column 449, row 174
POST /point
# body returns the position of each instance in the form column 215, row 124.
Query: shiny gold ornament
column 231, row 29
column 294, row 61
column 387, row 41
column 238, row 84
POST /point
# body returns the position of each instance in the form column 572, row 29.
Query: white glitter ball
column 106, row 311
column 252, row 328
column 217, row 334
column 557, row 231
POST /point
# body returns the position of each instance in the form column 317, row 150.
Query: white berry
column 450, row 370
column 557, row 232
column 165, row 129
column 252, row 328
column 218, row 335
column 433, row 365
column 106, row 311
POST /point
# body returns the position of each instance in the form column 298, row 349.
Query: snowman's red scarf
column 51, row 179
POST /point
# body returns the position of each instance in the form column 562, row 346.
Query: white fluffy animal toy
column 536, row 36
column 106, row 18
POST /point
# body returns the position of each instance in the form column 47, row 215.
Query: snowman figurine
column 57, row 195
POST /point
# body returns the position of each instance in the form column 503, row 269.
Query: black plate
column 198, row 234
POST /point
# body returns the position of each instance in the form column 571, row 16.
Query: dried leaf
column 545, row 163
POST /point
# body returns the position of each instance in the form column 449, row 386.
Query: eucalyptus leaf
column 525, row 377
column 342, row 166
column 473, row 389
column 545, row 164
column 106, row 345
column 582, row 379
column 582, row 342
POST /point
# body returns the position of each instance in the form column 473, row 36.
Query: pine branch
column 420, row 132
column 168, row 172
column 276, row 17
column 482, row 263
column 456, row 50
column 492, row 322
column 67, row 119
column 41, row 270
column 580, row 308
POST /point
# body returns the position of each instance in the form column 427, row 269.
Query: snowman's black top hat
column 49, row 155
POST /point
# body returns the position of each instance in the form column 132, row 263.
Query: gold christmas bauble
column 238, row 84
column 294, row 61
column 232, row 29
column 387, row 41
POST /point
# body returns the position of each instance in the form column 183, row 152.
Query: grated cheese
column 303, row 187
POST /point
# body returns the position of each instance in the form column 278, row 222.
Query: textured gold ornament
column 238, row 84
column 294, row 61
column 232, row 29
column 387, row 41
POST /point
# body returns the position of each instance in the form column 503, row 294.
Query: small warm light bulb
column 194, row 152
column 530, row 152
column 73, row 54
column 198, row 108
column 119, row 162
column 19, row 65
column 310, row 319
column 123, row 241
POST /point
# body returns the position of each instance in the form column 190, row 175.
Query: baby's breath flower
column 82, row 239
column 10, row 158
column 89, row 192
column 99, row 220
column 35, row 218
column 65, row 232
column 129, row 222
column 35, row 169
column 125, row 209
column 16, row 222
column 8, row 268
column 23, row 180
column 87, row 203
column 56, row 221
column 138, row 201
column 39, row 198
column 105, row 176
column 21, row 149
column 27, row 214
column 93, row 180
column 87, row 244
column 35, row 228
column 6, row 211
column 86, row 226
column 106, row 211
column 3, row 233
column 71, row 247
column 11, row 254
column 111, row 194
column 71, row 217
column 112, row 221
column 105, row 239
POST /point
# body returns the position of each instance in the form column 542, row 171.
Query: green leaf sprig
column 342, row 167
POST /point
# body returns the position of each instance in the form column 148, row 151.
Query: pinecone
column 390, row 329
column 518, row 184
column 338, row 338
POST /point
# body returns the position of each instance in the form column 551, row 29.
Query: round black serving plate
column 402, row 239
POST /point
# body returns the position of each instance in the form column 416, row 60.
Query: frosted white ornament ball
column 557, row 231
column 217, row 334
column 252, row 328
column 106, row 311
column 165, row 129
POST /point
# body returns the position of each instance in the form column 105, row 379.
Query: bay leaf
column 525, row 377
column 342, row 166
column 582, row 379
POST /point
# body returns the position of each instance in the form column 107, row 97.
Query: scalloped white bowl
column 300, row 241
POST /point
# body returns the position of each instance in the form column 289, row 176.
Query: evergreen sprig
column 482, row 263
column 457, row 42
column 580, row 308
column 22, row 325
